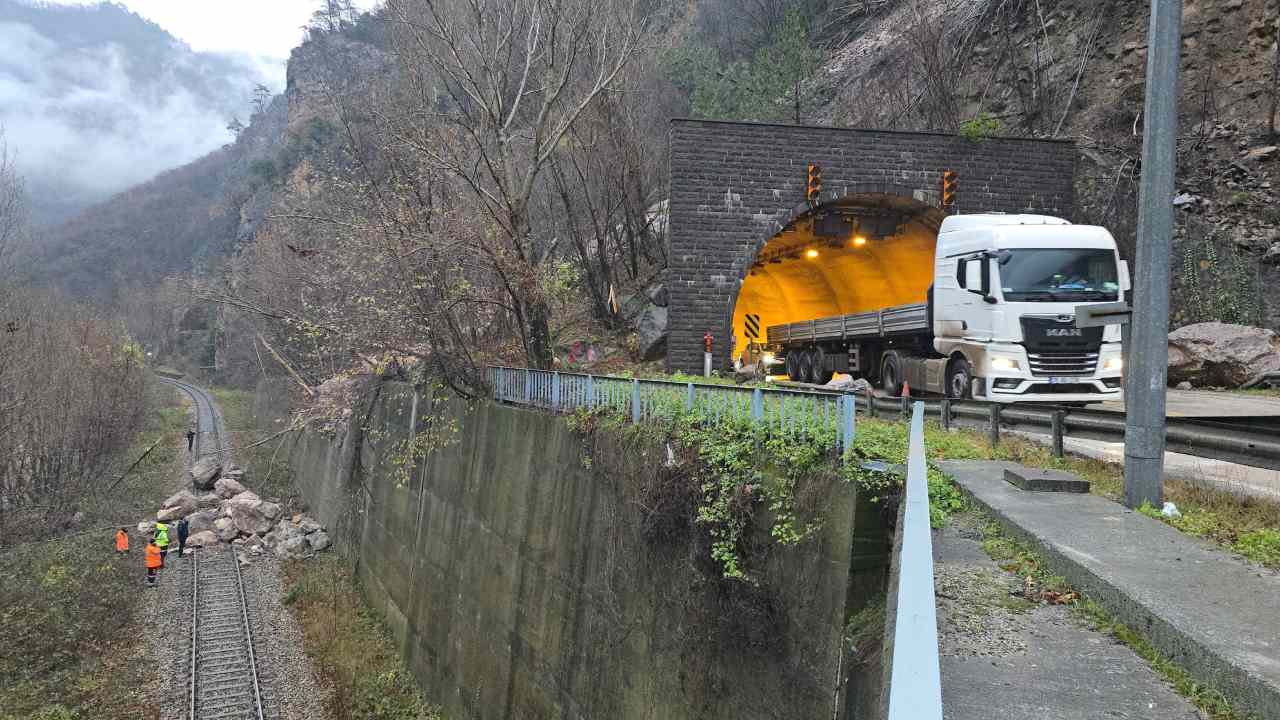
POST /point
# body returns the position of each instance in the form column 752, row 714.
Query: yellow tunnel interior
column 858, row 255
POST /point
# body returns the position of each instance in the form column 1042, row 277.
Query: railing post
column 906, row 406
column 757, row 405
column 946, row 413
column 591, row 392
column 555, row 391
column 871, row 403
column 688, row 400
column 635, row 401
column 528, row 387
column 1059, row 427
column 994, row 431
column 850, row 408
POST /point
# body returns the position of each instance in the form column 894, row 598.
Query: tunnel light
column 811, row 254
column 859, row 241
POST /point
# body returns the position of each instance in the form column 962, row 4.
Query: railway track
column 208, row 434
column 225, row 679
column 224, row 668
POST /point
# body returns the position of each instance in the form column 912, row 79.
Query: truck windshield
column 1037, row 275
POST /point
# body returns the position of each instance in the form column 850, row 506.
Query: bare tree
column 495, row 87
column 13, row 209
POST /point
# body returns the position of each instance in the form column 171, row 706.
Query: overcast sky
column 265, row 30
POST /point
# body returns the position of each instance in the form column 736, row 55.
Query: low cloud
column 87, row 121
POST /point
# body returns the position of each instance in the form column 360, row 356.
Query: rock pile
column 227, row 511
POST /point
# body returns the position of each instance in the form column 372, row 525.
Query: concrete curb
column 1247, row 679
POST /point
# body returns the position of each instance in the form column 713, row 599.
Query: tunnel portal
column 738, row 206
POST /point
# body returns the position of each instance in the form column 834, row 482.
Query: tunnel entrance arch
column 737, row 186
column 867, row 250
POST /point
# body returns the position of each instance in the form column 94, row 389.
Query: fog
column 86, row 119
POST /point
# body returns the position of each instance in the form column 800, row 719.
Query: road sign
column 752, row 327
column 1117, row 313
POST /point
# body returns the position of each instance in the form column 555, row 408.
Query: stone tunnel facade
column 736, row 185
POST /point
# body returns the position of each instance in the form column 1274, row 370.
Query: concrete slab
column 1212, row 613
column 1038, row 480
column 1005, row 657
column 1207, row 403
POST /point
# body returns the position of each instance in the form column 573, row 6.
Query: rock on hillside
column 1218, row 354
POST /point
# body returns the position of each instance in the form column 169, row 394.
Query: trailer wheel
column 805, row 368
column 821, row 374
column 891, row 374
column 960, row 379
column 793, row 364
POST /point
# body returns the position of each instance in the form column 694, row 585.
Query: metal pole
column 635, row 401
column 946, row 413
column 1059, row 422
column 1147, row 374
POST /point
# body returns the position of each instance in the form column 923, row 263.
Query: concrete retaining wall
column 522, row 578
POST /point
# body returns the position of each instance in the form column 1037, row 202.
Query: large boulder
column 204, row 538
column 295, row 546
column 250, row 514
column 204, row 472
column 226, row 529
column 177, row 506
column 1219, row 354
column 308, row 525
column 202, row 521
column 651, row 333
column 319, row 540
column 226, row 487
column 208, row 500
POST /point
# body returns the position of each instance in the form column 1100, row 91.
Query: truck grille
column 1063, row 363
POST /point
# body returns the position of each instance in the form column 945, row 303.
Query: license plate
column 1063, row 380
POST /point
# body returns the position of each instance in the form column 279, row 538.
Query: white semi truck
column 998, row 321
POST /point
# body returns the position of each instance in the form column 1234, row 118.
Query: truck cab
column 1006, row 289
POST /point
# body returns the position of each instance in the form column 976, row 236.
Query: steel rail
column 195, row 632
column 248, row 636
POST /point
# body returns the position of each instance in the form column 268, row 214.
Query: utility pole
column 1147, row 375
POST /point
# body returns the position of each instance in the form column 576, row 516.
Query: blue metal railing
column 915, row 685
column 799, row 412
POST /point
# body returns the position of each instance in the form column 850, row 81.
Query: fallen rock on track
column 204, row 472
column 227, row 487
column 203, row 538
column 202, row 521
column 177, row 506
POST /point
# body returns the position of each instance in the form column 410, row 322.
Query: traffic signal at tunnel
column 813, row 189
column 948, row 189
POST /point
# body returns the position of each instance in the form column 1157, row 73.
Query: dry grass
column 350, row 646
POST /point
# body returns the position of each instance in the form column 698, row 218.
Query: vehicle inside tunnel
column 856, row 254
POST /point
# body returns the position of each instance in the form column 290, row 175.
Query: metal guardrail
column 799, row 412
column 915, row 677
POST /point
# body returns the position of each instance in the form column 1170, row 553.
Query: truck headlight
column 1113, row 363
column 768, row 358
column 1003, row 363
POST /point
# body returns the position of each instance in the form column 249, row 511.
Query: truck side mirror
column 1126, row 284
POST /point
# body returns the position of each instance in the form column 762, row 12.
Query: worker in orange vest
column 153, row 562
column 122, row 541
